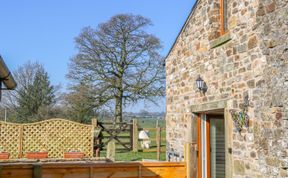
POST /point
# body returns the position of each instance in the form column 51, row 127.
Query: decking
column 92, row 169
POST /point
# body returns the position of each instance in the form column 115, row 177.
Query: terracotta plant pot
column 4, row 155
column 73, row 155
column 36, row 155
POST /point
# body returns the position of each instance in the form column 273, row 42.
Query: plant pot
column 73, row 155
column 4, row 155
column 36, row 155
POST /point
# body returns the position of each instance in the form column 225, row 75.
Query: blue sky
column 44, row 31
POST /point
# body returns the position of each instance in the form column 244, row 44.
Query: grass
column 140, row 155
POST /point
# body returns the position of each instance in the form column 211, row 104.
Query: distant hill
column 127, row 116
column 143, row 114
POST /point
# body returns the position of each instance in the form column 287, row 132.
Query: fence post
column 111, row 150
column 95, row 140
column 187, row 159
column 94, row 122
column 131, row 135
column 158, row 142
column 20, row 155
column 135, row 135
column 37, row 171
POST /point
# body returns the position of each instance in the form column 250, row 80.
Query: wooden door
column 211, row 146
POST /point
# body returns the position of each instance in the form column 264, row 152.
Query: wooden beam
column 222, row 30
column 118, row 137
column 93, row 139
column 0, row 171
column 37, row 171
column 208, row 147
column 158, row 142
column 131, row 134
column 90, row 172
column 199, row 146
column 153, row 150
column 111, row 150
column 187, row 158
column 135, row 135
column 20, row 152
column 94, row 169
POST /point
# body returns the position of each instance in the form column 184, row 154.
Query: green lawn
column 138, row 156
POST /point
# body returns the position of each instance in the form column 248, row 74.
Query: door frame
column 199, row 143
column 199, row 146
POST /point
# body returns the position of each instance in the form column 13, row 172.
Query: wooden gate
column 121, row 132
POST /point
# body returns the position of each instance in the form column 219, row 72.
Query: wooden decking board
column 96, row 170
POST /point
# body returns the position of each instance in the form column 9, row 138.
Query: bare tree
column 34, row 96
column 122, row 61
column 80, row 103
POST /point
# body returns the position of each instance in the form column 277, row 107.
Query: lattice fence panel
column 9, row 138
column 57, row 136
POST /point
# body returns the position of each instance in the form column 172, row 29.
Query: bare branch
column 121, row 60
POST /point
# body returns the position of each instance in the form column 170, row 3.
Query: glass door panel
column 217, row 148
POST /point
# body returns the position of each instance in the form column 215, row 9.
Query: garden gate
column 121, row 132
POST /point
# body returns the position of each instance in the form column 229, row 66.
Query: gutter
column 6, row 77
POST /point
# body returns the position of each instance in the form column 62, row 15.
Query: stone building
column 238, row 127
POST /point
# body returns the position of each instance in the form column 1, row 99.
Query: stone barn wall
column 253, row 61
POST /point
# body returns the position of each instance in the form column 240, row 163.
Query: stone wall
column 271, row 108
column 254, row 62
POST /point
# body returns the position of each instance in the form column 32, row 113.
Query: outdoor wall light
column 201, row 85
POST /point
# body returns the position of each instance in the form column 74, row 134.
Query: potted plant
column 4, row 154
column 73, row 154
column 42, row 154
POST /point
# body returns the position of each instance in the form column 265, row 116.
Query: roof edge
column 183, row 27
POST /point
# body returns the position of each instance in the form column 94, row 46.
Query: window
column 222, row 33
column 223, row 17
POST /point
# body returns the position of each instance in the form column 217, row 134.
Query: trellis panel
column 55, row 136
column 9, row 138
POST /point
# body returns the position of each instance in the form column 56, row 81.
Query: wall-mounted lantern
column 201, row 85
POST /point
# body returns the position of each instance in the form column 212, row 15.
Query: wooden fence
column 102, row 169
column 158, row 138
column 94, row 170
column 126, row 134
column 54, row 136
column 120, row 132
column 57, row 136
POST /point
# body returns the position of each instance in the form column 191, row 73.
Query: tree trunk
column 118, row 109
column 119, row 98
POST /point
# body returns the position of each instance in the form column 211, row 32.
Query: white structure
column 145, row 140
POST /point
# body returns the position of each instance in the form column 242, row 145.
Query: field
column 140, row 155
